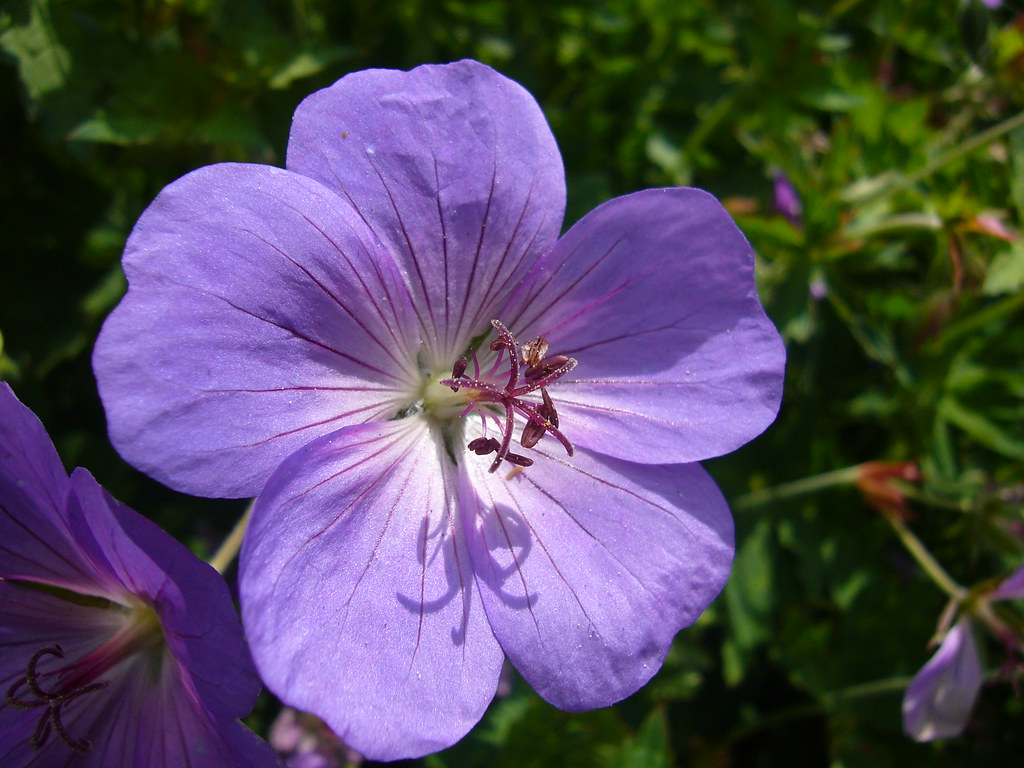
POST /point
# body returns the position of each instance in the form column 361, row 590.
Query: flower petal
column 654, row 294
column 199, row 620
column 456, row 166
column 148, row 716
column 357, row 593
column 31, row 619
column 589, row 566
column 1011, row 587
column 34, row 541
column 939, row 700
column 261, row 313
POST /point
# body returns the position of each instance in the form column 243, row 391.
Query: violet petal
column 34, row 540
column 1011, row 587
column 939, row 700
column 456, row 166
column 358, row 596
column 260, row 314
column 589, row 566
column 654, row 294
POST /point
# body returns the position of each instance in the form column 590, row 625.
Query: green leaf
column 1006, row 272
column 981, row 429
column 306, row 64
column 44, row 64
column 649, row 748
column 748, row 594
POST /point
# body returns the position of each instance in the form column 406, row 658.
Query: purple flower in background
column 787, row 199
column 940, row 698
column 120, row 647
column 306, row 742
column 343, row 338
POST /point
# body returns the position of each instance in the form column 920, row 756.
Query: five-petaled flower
column 470, row 437
column 119, row 646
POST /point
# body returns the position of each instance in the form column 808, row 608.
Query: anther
column 482, row 446
column 519, row 461
column 533, row 432
column 457, row 371
column 545, row 367
column 534, row 351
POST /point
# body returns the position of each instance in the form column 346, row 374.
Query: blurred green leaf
column 44, row 63
column 306, row 64
column 982, row 429
column 1006, row 272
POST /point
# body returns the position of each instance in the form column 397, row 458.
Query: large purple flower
column 119, row 647
column 341, row 339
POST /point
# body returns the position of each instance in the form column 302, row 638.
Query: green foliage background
column 899, row 295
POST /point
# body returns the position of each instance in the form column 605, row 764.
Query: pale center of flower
column 498, row 396
column 52, row 690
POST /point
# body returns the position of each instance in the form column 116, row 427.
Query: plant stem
column 926, row 560
column 222, row 560
column 954, row 153
column 845, row 476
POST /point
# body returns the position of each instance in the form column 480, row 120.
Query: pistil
column 531, row 372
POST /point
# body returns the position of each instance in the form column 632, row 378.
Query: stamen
column 545, row 367
column 538, row 373
column 457, row 370
column 483, row 446
column 519, row 461
column 534, row 431
column 534, row 351
column 51, row 719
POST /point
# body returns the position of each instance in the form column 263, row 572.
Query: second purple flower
column 470, row 437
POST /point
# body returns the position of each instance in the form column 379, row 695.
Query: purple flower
column 341, row 338
column 939, row 700
column 306, row 742
column 787, row 199
column 119, row 646
column 1012, row 587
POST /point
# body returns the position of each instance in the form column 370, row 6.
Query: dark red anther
column 457, row 371
column 547, row 408
column 482, row 446
column 534, row 431
column 519, row 461
column 545, row 367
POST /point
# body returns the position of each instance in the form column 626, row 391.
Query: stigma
column 497, row 399
column 66, row 682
